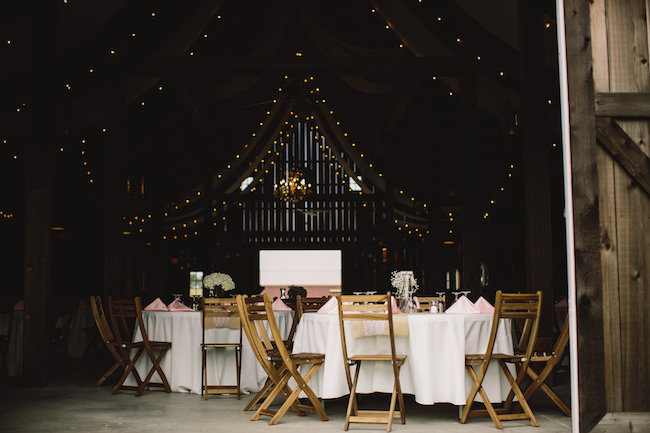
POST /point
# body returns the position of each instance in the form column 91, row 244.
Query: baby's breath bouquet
column 406, row 286
column 218, row 283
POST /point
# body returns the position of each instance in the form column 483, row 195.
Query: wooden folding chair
column 109, row 340
column 550, row 361
column 292, row 363
column 427, row 301
column 522, row 307
column 370, row 308
column 252, row 314
column 123, row 313
column 279, row 365
column 216, row 313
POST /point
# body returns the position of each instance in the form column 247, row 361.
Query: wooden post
column 537, row 197
column 38, row 203
column 586, row 214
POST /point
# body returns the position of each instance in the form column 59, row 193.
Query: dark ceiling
column 173, row 90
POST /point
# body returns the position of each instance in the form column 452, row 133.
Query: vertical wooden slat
column 608, row 234
column 592, row 401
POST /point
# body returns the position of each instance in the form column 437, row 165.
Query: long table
column 182, row 364
column 434, row 371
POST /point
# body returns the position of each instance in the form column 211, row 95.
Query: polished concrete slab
column 72, row 404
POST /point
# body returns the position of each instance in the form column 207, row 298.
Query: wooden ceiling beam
column 210, row 66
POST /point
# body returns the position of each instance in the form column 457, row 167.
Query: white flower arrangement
column 405, row 283
column 218, row 279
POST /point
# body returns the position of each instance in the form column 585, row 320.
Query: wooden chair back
column 427, row 301
column 105, row 333
column 123, row 315
column 366, row 308
column 213, row 309
column 309, row 305
column 253, row 314
column 520, row 307
column 275, row 338
column 101, row 321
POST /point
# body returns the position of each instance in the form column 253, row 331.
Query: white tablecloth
column 182, row 363
column 435, row 365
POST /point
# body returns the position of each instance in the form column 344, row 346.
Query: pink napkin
column 156, row 305
column 177, row 305
column 330, row 307
column 19, row 306
column 417, row 302
column 484, row 306
column 393, row 305
column 279, row 305
column 463, row 306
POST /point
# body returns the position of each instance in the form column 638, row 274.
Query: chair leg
column 352, row 403
column 238, row 364
column 391, row 410
column 204, row 376
column 128, row 369
column 260, row 395
column 155, row 368
column 301, row 386
column 400, row 400
column 108, row 374
column 539, row 383
column 271, row 397
column 471, row 396
column 478, row 388
column 520, row 395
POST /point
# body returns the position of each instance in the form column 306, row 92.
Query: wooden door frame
column 584, row 272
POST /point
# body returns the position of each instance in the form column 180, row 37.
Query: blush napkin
column 177, row 305
column 463, row 306
column 329, row 307
column 484, row 306
column 156, row 305
column 279, row 305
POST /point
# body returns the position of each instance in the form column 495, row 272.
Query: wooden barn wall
column 620, row 51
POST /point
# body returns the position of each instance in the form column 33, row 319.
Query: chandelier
column 293, row 188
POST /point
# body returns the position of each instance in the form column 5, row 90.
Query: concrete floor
column 72, row 404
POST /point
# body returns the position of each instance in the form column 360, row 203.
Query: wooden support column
column 38, row 202
column 534, row 127
column 589, row 284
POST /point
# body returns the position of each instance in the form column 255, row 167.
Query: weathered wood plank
column 628, row 72
column 615, row 422
column 586, row 214
column 608, row 235
column 624, row 151
column 623, row 104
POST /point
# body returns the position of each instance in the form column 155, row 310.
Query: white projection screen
column 318, row 271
